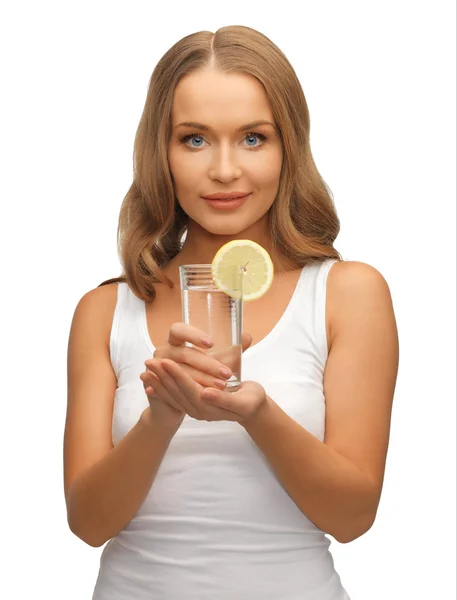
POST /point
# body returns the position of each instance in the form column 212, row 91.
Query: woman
column 202, row 493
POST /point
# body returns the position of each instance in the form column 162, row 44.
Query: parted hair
column 303, row 220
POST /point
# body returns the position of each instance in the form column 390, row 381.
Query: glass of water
column 217, row 314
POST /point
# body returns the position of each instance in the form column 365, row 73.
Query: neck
column 200, row 247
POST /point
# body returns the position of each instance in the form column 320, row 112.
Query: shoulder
column 345, row 273
column 100, row 298
column 97, row 307
column 353, row 287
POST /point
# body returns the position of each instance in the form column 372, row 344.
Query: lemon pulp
column 242, row 269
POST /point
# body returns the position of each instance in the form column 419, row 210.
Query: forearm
column 103, row 499
column 331, row 491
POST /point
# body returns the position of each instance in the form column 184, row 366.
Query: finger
column 180, row 333
column 174, row 391
column 193, row 392
column 159, row 393
column 221, row 403
column 200, row 361
column 245, row 402
column 229, row 356
column 148, row 378
column 224, row 400
column 204, row 379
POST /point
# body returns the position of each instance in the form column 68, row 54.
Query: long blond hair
column 303, row 219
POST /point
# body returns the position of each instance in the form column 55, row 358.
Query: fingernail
column 225, row 373
column 219, row 383
column 207, row 342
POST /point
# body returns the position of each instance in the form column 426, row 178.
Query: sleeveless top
column 217, row 524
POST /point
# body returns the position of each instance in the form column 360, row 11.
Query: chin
column 226, row 228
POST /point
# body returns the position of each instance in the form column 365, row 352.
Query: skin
column 336, row 483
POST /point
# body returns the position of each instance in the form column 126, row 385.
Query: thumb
column 246, row 341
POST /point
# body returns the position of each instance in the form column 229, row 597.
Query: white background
column 379, row 78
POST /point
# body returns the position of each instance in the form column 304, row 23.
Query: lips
column 226, row 196
column 226, row 203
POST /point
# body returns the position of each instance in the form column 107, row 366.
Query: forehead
column 219, row 99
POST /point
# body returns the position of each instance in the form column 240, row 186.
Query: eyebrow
column 246, row 127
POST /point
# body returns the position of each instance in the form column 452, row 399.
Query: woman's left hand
column 171, row 383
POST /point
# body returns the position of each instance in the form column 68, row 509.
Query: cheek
column 176, row 167
column 185, row 170
column 267, row 171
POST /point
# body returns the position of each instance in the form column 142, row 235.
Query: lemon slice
column 242, row 269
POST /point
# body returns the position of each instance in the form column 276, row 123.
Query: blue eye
column 197, row 140
column 251, row 137
column 193, row 137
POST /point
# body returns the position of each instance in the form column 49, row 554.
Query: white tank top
column 217, row 524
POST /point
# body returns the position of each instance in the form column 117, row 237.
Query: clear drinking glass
column 214, row 312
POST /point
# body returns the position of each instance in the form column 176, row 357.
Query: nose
column 224, row 165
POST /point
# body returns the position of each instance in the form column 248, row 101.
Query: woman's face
column 222, row 148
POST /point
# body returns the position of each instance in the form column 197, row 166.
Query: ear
column 246, row 341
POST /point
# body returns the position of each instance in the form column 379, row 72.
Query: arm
column 104, row 486
column 105, row 497
column 338, row 483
